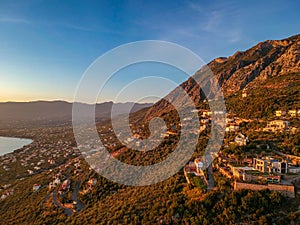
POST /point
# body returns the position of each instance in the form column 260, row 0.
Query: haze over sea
column 9, row 144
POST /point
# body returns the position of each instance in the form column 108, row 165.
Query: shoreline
column 11, row 144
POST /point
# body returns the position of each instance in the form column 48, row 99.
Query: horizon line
column 70, row 102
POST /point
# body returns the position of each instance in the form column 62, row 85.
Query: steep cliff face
column 266, row 59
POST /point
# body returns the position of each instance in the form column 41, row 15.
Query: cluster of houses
column 6, row 194
column 232, row 123
column 255, row 173
column 195, row 168
column 55, row 182
column 291, row 113
column 6, row 160
column 279, row 126
column 39, row 156
column 62, row 183
column 264, row 169
column 259, row 171
column 272, row 165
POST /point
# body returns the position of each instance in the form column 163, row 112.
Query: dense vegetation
column 172, row 201
column 169, row 202
column 279, row 92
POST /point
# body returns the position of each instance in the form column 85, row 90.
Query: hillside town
column 70, row 179
column 275, row 170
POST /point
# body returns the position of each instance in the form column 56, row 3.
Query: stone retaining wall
column 286, row 190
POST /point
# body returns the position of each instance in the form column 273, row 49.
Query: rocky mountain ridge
column 241, row 70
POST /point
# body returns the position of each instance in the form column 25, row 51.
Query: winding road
column 79, row 205
column 67, row 211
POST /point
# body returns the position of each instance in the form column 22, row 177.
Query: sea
column 9, row 144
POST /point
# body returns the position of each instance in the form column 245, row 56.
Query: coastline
column 11, row 144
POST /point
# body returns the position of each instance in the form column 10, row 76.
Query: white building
column 244, row 93
column 232, row 127
column 270, row 165
column 280, row 113
column 36, row 187
column 294, row 169
column 241, row 139
column 277, row 125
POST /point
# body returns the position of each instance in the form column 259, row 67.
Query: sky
column 46, row 46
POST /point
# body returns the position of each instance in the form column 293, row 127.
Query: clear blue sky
column 45, row 46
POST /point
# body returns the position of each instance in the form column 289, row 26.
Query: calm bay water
column 9, row 144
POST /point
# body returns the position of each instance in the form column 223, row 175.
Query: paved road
column 211, row 182
column 79, row 205
column 67, row 211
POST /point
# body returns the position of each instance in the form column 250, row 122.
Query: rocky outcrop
column 269, row 58
column 264, row 60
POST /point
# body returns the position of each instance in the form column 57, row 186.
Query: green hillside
column 279, row 92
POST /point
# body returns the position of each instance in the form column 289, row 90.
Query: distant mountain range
column 58, row 110
column 248, row 69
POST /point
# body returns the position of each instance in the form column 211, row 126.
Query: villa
column 277, row 125
column 270, row 165
column 241, row 139
column 280, row 113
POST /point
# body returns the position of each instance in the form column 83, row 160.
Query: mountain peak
column 264, row 60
